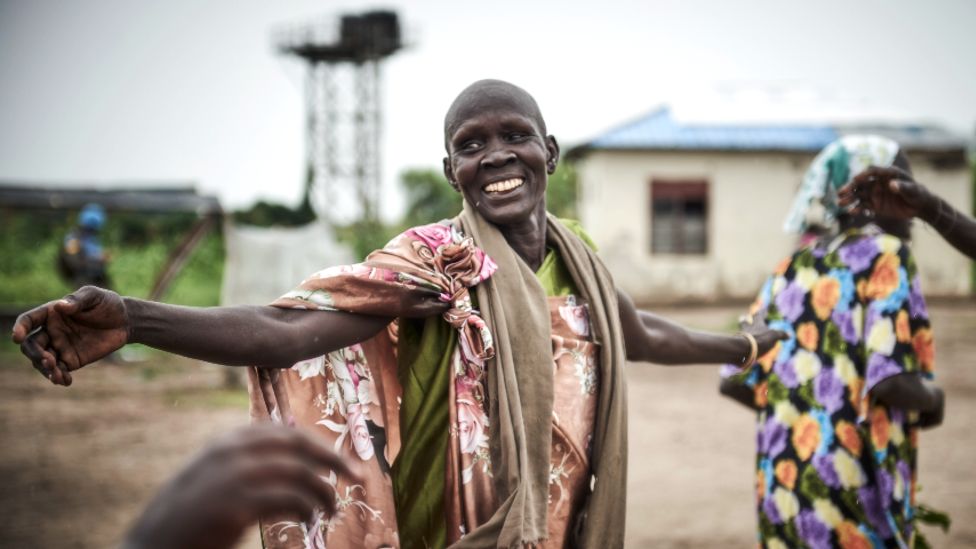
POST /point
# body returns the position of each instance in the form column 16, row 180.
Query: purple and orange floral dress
column 834, row 466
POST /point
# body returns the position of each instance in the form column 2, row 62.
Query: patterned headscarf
column 836, row 164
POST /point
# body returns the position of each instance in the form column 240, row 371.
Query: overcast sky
column 189, row 90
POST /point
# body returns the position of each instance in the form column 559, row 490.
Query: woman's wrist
column 134, row 318
column 751, row 352
column 945, row 217
column 932, row 208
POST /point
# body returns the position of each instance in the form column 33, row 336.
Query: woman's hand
column 766, row 338
column 652, row 338
column 934, row 417
column 889, row 192
column 64, row 335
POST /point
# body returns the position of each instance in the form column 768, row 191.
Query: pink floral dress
column 575, row 380
column 355, row 400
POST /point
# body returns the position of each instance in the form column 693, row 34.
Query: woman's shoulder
column 577, row 229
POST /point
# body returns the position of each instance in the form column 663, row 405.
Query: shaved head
column 485, row 95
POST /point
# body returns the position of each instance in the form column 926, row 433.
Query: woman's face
column 499, row 159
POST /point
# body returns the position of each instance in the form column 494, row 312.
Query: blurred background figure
column 840, row 402
column 82, row 259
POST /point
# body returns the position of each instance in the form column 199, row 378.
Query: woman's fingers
column 323, row 456
column 28, row 322
column 291, row 472
column 79, row 300
column 35, row 348
column 271, row 455
column 61, row 342
column 270, row 439
column 65, row 373
column 275, row 500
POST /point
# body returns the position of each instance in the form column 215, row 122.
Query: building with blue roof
column 694, row 210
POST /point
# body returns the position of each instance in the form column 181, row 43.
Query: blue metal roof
column 659, row 130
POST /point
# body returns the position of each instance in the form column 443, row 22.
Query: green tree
column 561, row 192
column 430, row 197
column 269, row 214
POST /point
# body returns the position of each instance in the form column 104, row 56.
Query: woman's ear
column 552, row 149
column 449, row 174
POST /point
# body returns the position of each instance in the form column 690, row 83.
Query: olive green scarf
column 514, row 306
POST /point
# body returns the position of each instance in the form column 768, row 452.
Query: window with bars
column 679, row 217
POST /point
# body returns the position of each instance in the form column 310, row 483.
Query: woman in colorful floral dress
column 840, row 401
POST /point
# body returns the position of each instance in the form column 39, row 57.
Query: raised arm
column 653, row 338
column 65, row 335
column 893, row 192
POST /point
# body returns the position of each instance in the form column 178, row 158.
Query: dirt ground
column 77, row 464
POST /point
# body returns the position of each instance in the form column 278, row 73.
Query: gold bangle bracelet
column 753, row 349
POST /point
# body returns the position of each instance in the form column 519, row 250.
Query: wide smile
column 506, row 186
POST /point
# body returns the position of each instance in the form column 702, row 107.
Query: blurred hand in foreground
column 252, row 472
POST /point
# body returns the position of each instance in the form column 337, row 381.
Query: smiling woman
column 499, row 159
column 491, row 412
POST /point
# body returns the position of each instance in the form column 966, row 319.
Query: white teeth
column 506, row 185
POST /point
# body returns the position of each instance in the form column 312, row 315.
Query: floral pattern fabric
column 835, row 467
column 352, row 397
column 575, row 378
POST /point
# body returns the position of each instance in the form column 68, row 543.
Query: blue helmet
column 92, row 216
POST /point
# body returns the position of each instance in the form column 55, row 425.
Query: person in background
column 893, row 192
column 839, row 403
column 82, row 260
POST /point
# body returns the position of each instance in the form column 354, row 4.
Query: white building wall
column 749, row 194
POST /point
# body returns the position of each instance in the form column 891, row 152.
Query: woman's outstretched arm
column 653, row 338
column 65, row 335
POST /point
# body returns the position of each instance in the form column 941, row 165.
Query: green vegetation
column 266, row 214
column 139, row 245
column 430, row 197
column 562, row 191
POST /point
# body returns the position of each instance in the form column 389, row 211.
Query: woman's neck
column 528, row 238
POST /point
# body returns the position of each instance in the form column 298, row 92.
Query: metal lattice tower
column 342, row 95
